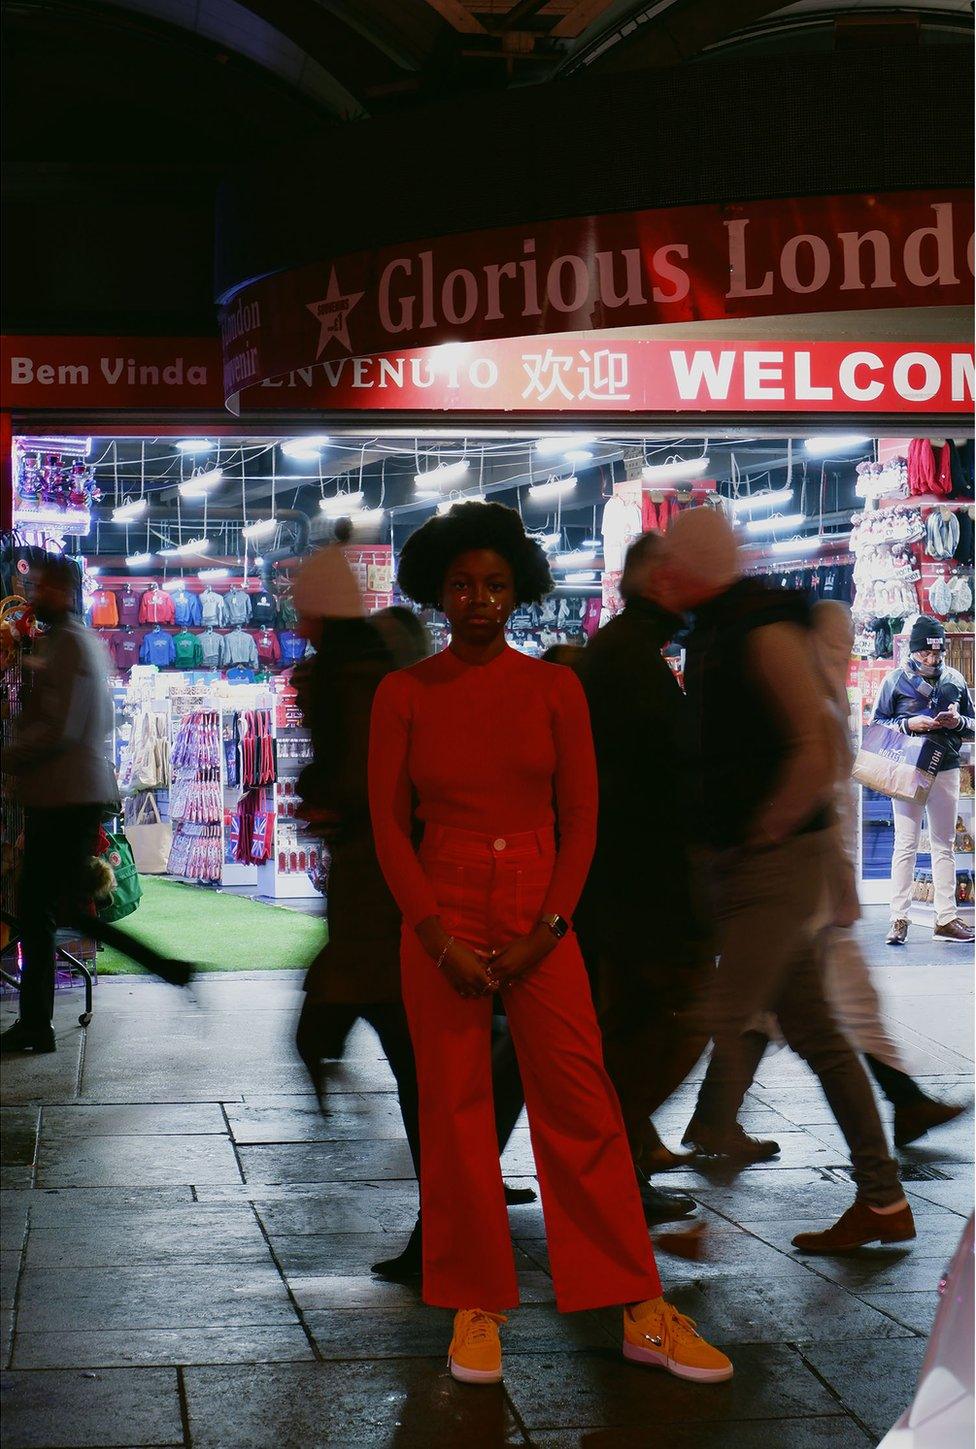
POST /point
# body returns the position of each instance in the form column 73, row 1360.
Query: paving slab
column 410, row 1403
column 245, row 1343
column 135, row 1161
column 158, row 1119
column 876, row 1381
column 327, row 1162
column 18, row 1135
column 388, row 1208
column 837, row 1433
column 199, row 1296
column 9, row 1274
column 411, row 1330
column 913, row 1310
column 14, row 1212
column 76, row 1409
column 190, row 1233
column 52, row 1077
column 599, row 1389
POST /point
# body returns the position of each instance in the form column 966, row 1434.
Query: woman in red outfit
column 477, row 744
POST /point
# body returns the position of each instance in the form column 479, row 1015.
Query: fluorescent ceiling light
column 779, row 523
column 305, row 450
column 828, row 443
column 575, row 559
column 368, row 517
column 138, row 560
column 194, row 545
column 128, row 511
column 446, row 504
column 202, row 483
column 755, row 502
column 548, row 447
column 341, row 504
column 195, row 445
column 796, row 545
column 445, row 475
column 262, row 528
column 577, row 455
column 676, row 470
column 585, row 576
column 555, row 488
column 596, row 544
column 548, row 541
column 206, row 574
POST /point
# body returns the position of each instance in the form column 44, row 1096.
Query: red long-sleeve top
column 495, row 748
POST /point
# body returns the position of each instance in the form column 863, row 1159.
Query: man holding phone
column 927, row 697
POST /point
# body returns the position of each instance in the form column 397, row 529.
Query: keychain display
column 196, row 805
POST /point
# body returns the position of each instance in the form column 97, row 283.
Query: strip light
column 796, row 545
column 202, row 483
column 262, row 528
column 578, row 455
column 305, row 450
column 779, row 523
column 195, row 445
column 676, row 470
column 549, row 447
column 194, row 545
column 828, row 443
column 754, row 502
column 576, row 559
column 129, row 511
column 445, row 475
column 584, row 576
column 341, row 504
column 555, row 488
column 138, row 560
column 446, row 504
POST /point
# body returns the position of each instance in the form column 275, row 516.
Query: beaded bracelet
column 441, row 958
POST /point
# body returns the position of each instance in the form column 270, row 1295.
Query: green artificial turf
column 221, row 932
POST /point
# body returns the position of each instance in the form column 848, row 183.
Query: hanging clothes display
column 196, row 799
column 257, row 757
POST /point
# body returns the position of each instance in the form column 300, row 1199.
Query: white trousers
column 942, row 809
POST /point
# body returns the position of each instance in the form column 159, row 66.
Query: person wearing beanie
column 926, row 697
column 764, row 777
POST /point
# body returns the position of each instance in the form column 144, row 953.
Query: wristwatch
column 556, row 924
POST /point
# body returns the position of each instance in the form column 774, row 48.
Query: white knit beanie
column 326, row 587
column 701, row 542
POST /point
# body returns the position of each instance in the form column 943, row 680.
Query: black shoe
column 407, row 1266
column 914, row 1120
column 665, row 1207
column 18, row 1038
column 516, row 1195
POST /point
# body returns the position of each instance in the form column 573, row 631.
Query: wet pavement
column 186, row 1246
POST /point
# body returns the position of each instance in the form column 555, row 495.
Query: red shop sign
column 554, row 374
column 590, row 273
column 110, row 372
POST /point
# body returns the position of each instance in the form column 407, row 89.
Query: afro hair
column 428, row 554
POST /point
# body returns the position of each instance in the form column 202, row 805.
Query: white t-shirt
column 621, row 525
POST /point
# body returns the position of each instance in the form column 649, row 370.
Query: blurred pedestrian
column 642, row 922
column 356, row 976
column 62, row 770
column 766, row 773
column 490, row 752
column 850, row 990
column 926, row 697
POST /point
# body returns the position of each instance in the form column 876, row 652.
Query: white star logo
column 332, row 315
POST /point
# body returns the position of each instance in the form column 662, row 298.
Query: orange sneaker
column 656, row 1334
column 475, row 1355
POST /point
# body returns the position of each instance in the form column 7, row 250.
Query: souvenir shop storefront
column 191, row 485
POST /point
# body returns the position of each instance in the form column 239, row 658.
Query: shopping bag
column 901, row 766
column 150, row 836
column 128, row 892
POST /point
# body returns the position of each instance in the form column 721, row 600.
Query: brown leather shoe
column 859, row 1225
column 898, row 934
column 913, row 1121
column 662, row 1159
column 736, row 1144
column 955, row 931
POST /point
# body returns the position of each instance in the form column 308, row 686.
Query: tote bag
column 900, row 766
column 150, row 837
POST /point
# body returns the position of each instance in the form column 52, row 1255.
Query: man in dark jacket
column 65, row 781
column 764, row 779
column 926, row 697
column 641, row 917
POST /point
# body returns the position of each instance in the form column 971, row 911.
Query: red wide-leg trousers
column 488, row 892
